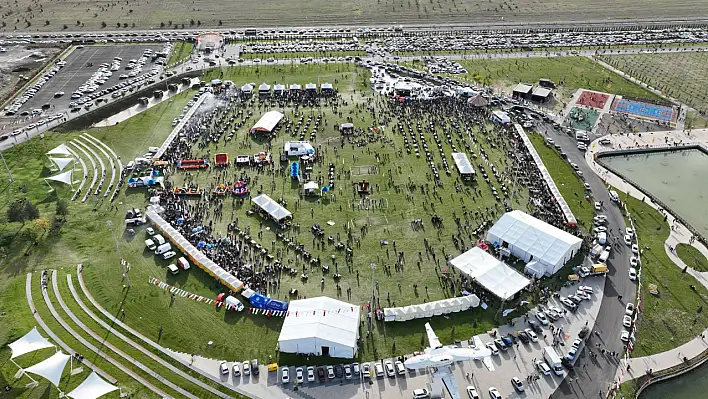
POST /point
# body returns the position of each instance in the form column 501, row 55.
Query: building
column 548, row 83
column 522, row 90
column 531, row 239
column 268, row 122
column 320, row 326
column 541, row 94
column 489, row 272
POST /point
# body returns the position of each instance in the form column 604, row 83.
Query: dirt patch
column 19, row 64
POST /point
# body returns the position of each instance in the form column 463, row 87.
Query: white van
column 297, row 148
column 183, row 263
column 158, row 239
column 602, row 238
column 150, row 244
column 237, row 305
column 163, row 248
column 173, row 269
column 605, row 254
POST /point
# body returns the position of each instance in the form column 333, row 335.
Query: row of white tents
column 53, row 367
column 430, row 309
column 60, row 158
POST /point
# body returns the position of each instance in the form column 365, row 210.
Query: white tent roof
column 311, row 186
column 443, row 306
column 321, row 318
column 463, row 163
column 523, row 88
column 264, row 87
column 61, row 162
column 279, row 87
column 533, row 236
column 64, row 177
column 491, row 273
column 93, row 387
column 247, row 88
column 326, row 86
column 32, row 341
column 51, row 368
column 267, row 122
column 541, row 92
column 61, row 149
column 310, row 86
column 274, row 209
column 503, row 116
column 295, row 86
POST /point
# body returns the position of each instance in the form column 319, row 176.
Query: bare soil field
column 18, row 64
column 56, row 15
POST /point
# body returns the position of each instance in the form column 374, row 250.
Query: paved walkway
column 98, row 351
column 120, row 164
column 110, row 160
column 181, row 359
column 132, row 343
column 55, row 338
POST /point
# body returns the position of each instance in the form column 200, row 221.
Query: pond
column 693, row 384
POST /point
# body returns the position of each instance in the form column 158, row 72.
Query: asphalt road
column 76, row 72
column 594, row 375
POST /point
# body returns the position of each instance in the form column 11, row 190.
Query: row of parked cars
column 162, row 248
column 29, row 92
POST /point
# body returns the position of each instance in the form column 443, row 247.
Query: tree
column 46, row 22
column 78, row 22
column 117, row 24
column 162, row 24
column 191, row 22
column 125, row 24
column 42, row 224
column 62, row 207
column 199, row 22
column 103, row 24
column 21, row 210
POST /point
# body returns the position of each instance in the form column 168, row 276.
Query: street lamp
column 109, row 223
column 373, row 296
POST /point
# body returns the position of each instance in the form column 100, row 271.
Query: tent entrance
column 325, row 351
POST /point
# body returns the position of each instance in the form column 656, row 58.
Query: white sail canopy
column 93, row 387
column 32, row 341
column 61, row 149
column 61, row 163
column 51, row 368
column 64, row 177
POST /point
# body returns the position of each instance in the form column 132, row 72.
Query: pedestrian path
column 98, row 351
column 100, row 162
column 117, row 158
column 55, row 338
column 110, row 160
column 93, row 165
column 132, row 343
column 665, row 360
column 184, row 360
column 678, row 234
column 84, row 176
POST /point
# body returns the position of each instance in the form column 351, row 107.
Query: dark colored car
column 321, row 374
column 500, row 344
column 338, row 371
column 535, row 326
column 523, row 337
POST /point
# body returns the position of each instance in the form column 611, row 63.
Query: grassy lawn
column 692, row 257
column 180, row 52
column 676, row 315
column 681, row 75
column 302, row 54
column 567, row 181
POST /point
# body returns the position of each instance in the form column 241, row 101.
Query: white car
column 223, row 368
column 390, row 370
column 299, row 375
column 518, row 385
column 532, row 335
column 635, row 249
column 628, row 239
column 150, row 231
column 629, row 309
column 378, row 369
column 494, row 393
column 632, row 273
column 310, row 374
column 366, row 370
column 567, row 302
column 347, row 372
column 246, row 366
column 492, row 348
column 472, row 392
column 285, row 375
column 400, row 368
column 421, row 393
column 542, row 318
column 598, row 206
column 625, row 336
column 543, row 367
column 587, row 186
column 628, row 231
column 236, row 369
column 576, row 343
column 587, row 289
column 169, row 254
column 627, row 321
column 582, row 295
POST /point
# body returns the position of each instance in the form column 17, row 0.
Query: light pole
column 373, row 296
column 7, row 167
column 109, row 223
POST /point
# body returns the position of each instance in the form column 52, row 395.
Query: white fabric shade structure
column 64, row 177
column 61, row 163
column 311, row 186
column 93, row 387
column 529, row 239
column 196, row 256
column 569, row 217
column 51, row 368
column 320, row 326
column 491, row 273
column 267, row 122
column 276, row 211
column 32, row 341
column 463, row 163
column 437, row 308
column 61, row 149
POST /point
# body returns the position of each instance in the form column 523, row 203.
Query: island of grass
column 692, row 257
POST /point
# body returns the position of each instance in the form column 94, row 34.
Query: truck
column 553, row 360
column 596, row 269
column 596, row 250
column 605, row 255
column 183, row 263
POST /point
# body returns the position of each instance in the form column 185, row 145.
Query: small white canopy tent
column 61, row 149
column 60, row 157
column 51, row 368
column 32, row 341
column 61, row 163
column 63, row 177
column 93, row 387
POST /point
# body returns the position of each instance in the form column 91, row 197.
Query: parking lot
column 76, row 72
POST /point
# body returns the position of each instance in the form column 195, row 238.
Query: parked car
column 627, row 321
column 532, row 335
column 299, row 375
column 330, row 372
column 285, row 375
column 310, row 374
column 379, row 370
column 421, row 393
column 492, row 348
column 390, row 370
column 355, row 370
column 246, row 366
column 254, row 366
column 472, row 392
column 535, row 326
column 366, row 370
column 567, row 302
column 543, row 367
column 632, row 273
column 629, row 309
column 518, row 385
column 494, row 393
column 321, row 374
column 338, row 371
column 347, row 372
column 541, row 316
column 400, row 368
column 223, row 368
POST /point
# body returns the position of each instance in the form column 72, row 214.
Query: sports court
column 593, row 99
column 645, row 110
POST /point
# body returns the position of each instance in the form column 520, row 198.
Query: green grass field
column 681, row 75
column 676, row 315
column 692, row 257
column 180, row 52
column 567, row 181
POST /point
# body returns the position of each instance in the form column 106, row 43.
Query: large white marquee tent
column 529, row 239
column 276, row 211
column 321, row 326
column 268, row 122
column 491, row 273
